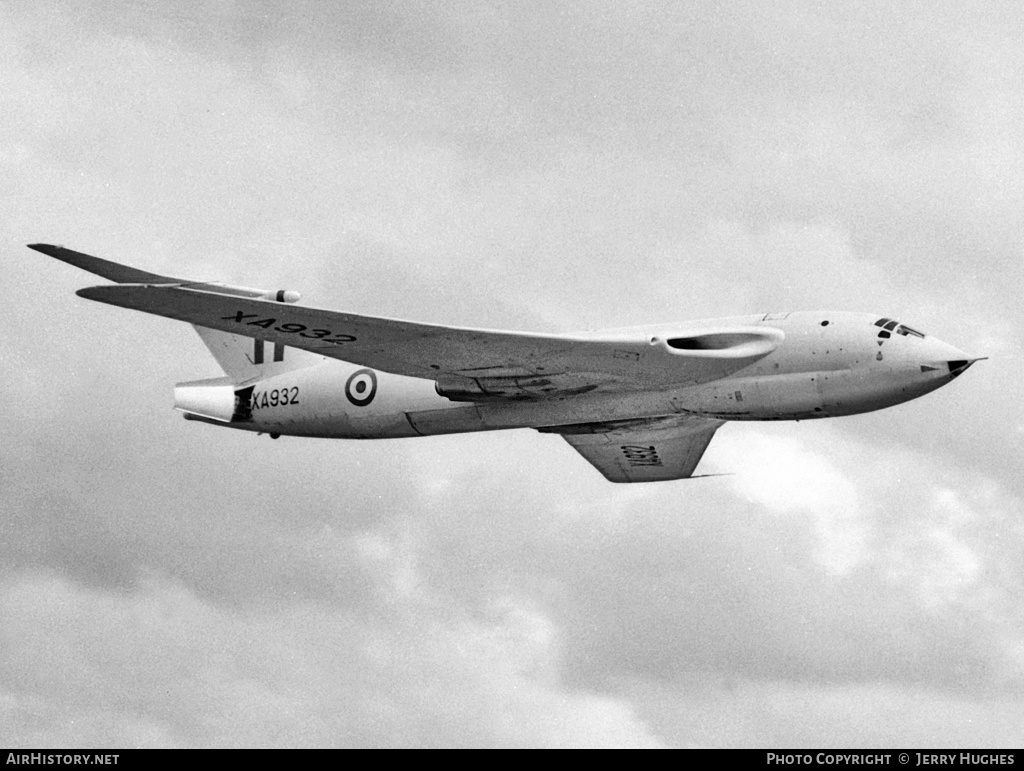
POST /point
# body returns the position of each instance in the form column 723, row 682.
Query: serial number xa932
column 324, row 335
column 279, row 397
column 640, row 455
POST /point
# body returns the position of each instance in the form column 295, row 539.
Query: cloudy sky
column 537, row 166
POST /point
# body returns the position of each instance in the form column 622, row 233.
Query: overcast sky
column 538, row 166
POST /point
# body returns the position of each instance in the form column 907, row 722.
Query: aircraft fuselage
column 640, row 404
column 828, row 364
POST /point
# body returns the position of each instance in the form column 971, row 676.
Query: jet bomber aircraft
column 641, row 404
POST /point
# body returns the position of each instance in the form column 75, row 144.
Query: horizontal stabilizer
column 237, row 354
column 112, row 271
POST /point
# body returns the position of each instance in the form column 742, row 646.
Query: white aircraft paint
column 641, row 404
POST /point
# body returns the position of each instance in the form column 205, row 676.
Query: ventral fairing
column 641, row 404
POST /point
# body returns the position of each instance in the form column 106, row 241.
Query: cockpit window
column 905, row 330
column 888, row 325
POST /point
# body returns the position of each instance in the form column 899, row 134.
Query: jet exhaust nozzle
column 210, row 400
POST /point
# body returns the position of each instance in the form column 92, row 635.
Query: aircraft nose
column 944, row 359
column 959, row 366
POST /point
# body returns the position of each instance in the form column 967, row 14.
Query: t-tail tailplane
column 243, row 359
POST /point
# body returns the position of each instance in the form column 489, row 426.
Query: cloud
column 756, row 715
column 162, row 667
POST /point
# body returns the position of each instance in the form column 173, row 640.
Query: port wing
column 651, row 450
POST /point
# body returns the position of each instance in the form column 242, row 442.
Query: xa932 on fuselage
column 640, row 404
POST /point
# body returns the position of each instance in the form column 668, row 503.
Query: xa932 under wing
column 641, row 404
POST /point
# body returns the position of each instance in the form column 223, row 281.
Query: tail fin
column 241, row 358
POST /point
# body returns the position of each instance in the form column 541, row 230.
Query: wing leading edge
column 646, row 450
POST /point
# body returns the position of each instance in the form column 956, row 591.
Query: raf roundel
column 361, row 387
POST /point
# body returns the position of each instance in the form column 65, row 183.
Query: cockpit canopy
column 888, row 325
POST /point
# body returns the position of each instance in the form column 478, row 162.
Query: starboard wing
column 468, row 364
